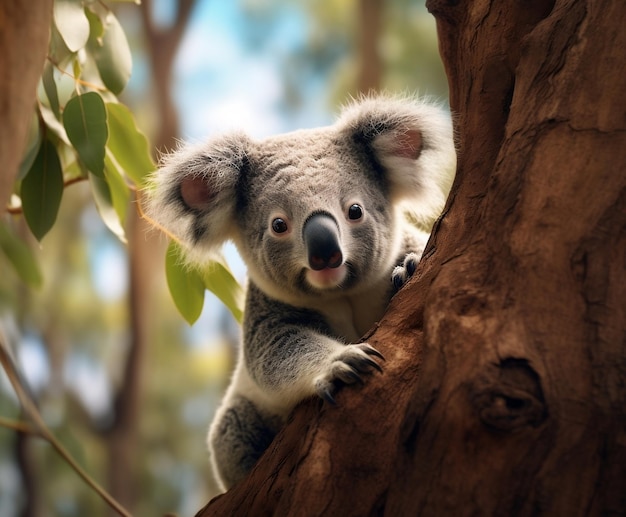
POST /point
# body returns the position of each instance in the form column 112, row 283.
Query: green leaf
column 96, row 26
column 32, row 147
column 104, row 204
column 50, row 87
column 72, row 167
column 70, row 20
column 112, row 54
column 52, row 123
column 57, row 49
column 85, row 122
column 128, row 144
column 21, row 257
column 220, row 281
column 120, row 193
column 185, row 284
column 41, row 191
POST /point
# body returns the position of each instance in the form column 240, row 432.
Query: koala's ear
column 193, row 195
column 411, row 141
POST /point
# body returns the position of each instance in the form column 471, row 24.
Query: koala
column 324, row 221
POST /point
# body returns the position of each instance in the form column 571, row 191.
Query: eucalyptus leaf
column 52, row 123
column 72, row 167
column 120, row 192
column 32, row 147
column 21, row 257
column 71, row 22
column 104, row 204
column 96, row 26
column 58, row 51
column 85, row 122
column 41, row 191
column 220, row 281
column 50, row 88
column 112, row 54
column 129, row 145
column 185, row 284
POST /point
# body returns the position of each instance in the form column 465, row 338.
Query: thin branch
column 185, row 8
column 18, row 426
column 31, row 410
column 151, row 221
column 17, row 210
column 170, row 37
column 77, row 80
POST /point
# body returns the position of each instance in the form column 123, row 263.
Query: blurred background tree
column 120, row 377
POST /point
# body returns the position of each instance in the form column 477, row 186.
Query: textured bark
column 24, row 24
column 503, row 391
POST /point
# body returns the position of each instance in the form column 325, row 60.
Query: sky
column 229, row 77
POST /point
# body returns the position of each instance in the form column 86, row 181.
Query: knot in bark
column 509, row 397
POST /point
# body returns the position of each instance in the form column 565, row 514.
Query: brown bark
column 503, row 391
column 370, row 30
column 24, row 24
column 123, row 439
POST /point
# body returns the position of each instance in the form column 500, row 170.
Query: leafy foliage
column 85, row 122
column 187, row 284
column 80, row 131
column 42, row 189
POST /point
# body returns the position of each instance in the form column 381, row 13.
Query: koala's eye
column 355, row 212
column 279, row 225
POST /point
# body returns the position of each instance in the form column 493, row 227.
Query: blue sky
column 228, row 73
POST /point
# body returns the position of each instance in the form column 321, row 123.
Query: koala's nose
column 321, row 238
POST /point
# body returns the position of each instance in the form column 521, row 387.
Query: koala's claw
column 402, row 274
column 327, row 395
column 348, row 368
column 370, row 350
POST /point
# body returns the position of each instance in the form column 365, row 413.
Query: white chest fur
column 352, row 316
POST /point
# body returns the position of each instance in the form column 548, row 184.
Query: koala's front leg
column 346, row 367
column 414, row 243
column 402, row 274
column 291, row 354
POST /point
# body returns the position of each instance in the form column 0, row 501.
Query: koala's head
column 312, row 212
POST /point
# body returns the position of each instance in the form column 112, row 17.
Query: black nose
column 321, row 238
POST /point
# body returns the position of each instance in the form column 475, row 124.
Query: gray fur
column 391, row 157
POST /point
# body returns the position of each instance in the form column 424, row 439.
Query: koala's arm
column 413, row 244
column 291, row 354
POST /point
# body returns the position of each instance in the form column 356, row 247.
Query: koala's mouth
column 327, row 278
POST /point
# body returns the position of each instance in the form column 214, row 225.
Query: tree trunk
column 503, row 391
column 24, row 24
column 143, row 250
column 371, row 14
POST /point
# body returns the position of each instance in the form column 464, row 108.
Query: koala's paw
column 402, row 274
column 347, row 368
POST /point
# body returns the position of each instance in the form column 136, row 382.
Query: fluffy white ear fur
column 193, row 194
column 412, row 140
